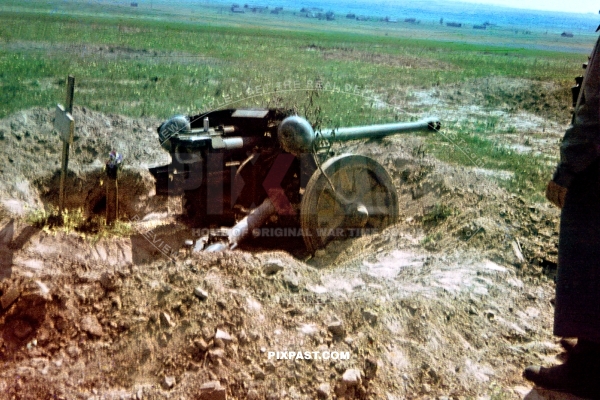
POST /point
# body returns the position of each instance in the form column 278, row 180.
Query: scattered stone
column 165, row 320
column 207, row 333
column 90, row 324
column 73, row 351
column 216, row 354
column 116, row 302
column 291, row 281
column 147, row 347
column 351, row 377
column 10, row 296
column 258, row 374
column 337, row 328
column 324, row 390
column 201, row 344
column 370, row 368
column 243, row 337
column 222, row 303
column 224, row 336
column 176, row 278
column 320, row 253
column 252, row 395
column 254, row 336
column 273, row 266
column 165, row 288
column 370, row 316
column 22, row 329
column 169, row 382
column 270, row 367
column 200, row 293
column 109, row 281
column 349, row 383
column 212, row 391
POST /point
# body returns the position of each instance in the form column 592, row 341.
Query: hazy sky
column 580, row 6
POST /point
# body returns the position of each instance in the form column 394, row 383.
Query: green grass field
column 160, row 62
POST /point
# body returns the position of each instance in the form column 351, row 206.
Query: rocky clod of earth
column 337, row 328
column 452, row 302
column 200, row 293
column 324, row 390
column 212, row 391
column 371, row 366
column 90, row 324
column 370, row 316
column 169, row 382
column 350, row 382
column 165, row 320
column 222, row 335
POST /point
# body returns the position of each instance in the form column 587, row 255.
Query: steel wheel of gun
column 350, row 195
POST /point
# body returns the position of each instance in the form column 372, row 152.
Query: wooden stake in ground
column 65, row 126
column 112, row 200
column 113, row 166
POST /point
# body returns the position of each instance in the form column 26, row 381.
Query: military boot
column 578, row 375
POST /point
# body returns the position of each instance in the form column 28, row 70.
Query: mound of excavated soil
column 451, row 302
column 103, row 322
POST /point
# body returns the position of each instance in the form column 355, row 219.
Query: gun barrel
column 297, row 136
column 374, row 131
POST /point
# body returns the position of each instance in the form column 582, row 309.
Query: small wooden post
column 112, row 200
column 112, row 187
column 65, row 125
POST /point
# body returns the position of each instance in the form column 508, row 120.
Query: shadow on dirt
column 9, row 244
column 293, row 245
column 21, row 323
column 163, row 241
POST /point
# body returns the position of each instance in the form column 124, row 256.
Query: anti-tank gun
column 248, row 167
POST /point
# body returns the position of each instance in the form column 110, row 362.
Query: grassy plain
column 168, row 60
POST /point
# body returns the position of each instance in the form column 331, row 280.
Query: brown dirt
column 514, row 100
column 441, row 303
